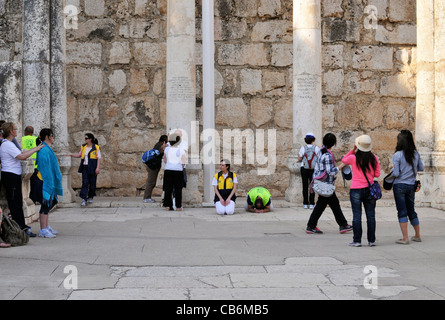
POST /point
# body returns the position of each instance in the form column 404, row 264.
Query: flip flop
column 401, row 241
column 416, row 239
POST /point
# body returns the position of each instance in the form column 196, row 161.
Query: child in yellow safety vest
column 224, row 184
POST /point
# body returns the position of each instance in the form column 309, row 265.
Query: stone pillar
column 208, row 88
column 181, row 83
column 438, row 155
column 430, row 100
column 11, row 93
column 59, row 121
column 307, row 105
column 36, row 67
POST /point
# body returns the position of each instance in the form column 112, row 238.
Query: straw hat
column 364, row 143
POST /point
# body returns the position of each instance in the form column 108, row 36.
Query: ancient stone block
column 83, row 53
column 281, row 55
column 240, row 54
column 332, row 56
column 94, row 8
column 283, row 113
column 260, row 111
column 332, row 8
column 85, row 81
column 400, row 34
column 117, row 81
column 340, row 30
column 250, row 81
column 271, row 8
column 231, row 112
column 148, row 53
column 373, row 58
column 138, row 81
column 120, row 53
column 333, row 82
column 402, row 10
column 272, row 31
column 402, row 84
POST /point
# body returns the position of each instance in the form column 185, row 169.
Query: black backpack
column 12, row 233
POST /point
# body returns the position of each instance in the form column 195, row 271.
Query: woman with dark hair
column 365, row 167
column 407, row 163
column 48, row 182
column 12, row 173
column 326, row 166
column 89, row 167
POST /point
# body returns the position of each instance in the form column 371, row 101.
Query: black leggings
column 13, row 187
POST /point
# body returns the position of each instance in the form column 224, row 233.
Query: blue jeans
column 359, row 196
column 404, row 197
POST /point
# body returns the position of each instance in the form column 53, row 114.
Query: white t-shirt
column 8, row 154
column 301, row 153
column 215, row 182
column 174, row 157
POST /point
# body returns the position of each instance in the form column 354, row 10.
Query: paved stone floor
column 124, row 249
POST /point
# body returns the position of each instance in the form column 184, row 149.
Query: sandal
column 416, row 239
column 401, row 241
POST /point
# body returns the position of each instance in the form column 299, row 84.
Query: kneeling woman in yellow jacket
column 89, row 167
column 225, row 183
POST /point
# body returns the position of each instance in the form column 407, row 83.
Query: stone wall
column 116, row 66
column 116, row 79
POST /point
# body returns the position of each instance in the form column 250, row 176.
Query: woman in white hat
column 365, row 167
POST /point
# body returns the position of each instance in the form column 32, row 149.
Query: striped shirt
column 326, row 163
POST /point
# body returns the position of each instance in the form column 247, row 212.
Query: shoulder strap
column 365, row 176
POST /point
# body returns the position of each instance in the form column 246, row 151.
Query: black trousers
column 321, row 205
column 88, row 189
column 306, row 177
column 13, row 187
column 173, row 180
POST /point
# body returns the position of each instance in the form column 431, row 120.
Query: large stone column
column 430, row 100
column 59, row 121
column 307, row 105
column 181, row 83
column 208, row 88
column 36, row 66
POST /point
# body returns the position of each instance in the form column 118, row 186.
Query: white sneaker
column 84, row 203
column 149, row 201
column 54, row 232
column 305, row 206
column 45, row 233
column 311, row 206
column 90, row 200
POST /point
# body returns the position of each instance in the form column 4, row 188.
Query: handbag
column 388, row 181
column 417, row 186
column 322, row 188
column 374, row 189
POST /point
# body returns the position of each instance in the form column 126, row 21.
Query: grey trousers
column 151, row 181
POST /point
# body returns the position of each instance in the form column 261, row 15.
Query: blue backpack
column 150, row 155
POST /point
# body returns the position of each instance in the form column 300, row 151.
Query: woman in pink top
column 362, row 161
